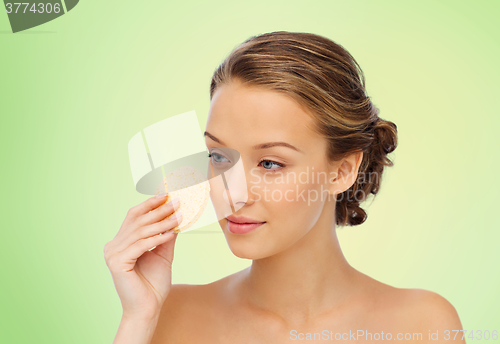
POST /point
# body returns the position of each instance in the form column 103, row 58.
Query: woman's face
column 278, row 186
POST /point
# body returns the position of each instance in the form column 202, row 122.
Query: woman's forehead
column 248, row 100
column 243, row 111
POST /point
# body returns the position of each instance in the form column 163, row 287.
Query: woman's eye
column 267, row 164
column 217, row 157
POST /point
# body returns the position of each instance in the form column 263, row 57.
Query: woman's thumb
column 166, row 250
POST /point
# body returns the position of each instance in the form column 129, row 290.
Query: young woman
column 291, row 104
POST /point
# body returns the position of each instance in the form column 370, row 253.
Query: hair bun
column 356, row 214
column 375, row 159
column 385, row 136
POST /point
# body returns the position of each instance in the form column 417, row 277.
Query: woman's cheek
column 303, row 202
column 290, row 204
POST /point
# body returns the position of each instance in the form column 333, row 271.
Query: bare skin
column 299, row 282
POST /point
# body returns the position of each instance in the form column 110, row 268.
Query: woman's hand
column 142, row 277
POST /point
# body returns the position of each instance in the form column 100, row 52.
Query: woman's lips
column 242, row 228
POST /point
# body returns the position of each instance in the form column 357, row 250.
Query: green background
column 76, row 89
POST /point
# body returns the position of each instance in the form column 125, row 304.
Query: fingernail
column 163, row 194
column 175, row 202
column 178, row 215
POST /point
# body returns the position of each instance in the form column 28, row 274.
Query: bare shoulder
column 433, row 310
column 411, row 309
column 189, row 312
column 424, row 311
column 186, row 304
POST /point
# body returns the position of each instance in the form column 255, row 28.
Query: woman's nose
column 236, row 193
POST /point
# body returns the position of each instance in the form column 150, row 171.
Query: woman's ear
column 343, row 173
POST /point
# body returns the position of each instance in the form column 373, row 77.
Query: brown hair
column 322, row 76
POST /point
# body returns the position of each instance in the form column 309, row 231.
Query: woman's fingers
column 153, row 216
column 124, row 261
column 157, row 214
column 145, row 220
column 129, row 238
column 166, row 250
column 141, row 209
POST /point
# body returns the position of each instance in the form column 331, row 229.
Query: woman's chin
column 242, row 254
column 247, row 246
column 247, row 250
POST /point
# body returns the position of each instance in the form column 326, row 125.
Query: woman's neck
column 310, row 278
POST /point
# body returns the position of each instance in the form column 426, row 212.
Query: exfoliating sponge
column 193, row 190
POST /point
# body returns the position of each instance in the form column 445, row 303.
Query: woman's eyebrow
column 259, row 146
column 214, row 138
